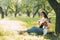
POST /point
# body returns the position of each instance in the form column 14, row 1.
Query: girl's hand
column 38, row 23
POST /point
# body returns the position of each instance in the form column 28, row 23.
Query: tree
column 28, row 13
column 37, row 5
column 34, row 6
column 56, row 6
column 6, row 11
column 16, row 8
column 2, row 13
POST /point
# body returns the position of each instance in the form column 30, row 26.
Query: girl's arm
column 40, row 22
column 48, row 25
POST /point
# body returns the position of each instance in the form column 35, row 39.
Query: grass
column 29, row 23
column 33, row 21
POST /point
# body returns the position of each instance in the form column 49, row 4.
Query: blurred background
column 26, row 14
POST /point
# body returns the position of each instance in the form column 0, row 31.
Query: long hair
column 45, row 15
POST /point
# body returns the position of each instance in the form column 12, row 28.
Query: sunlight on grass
column 27, row 22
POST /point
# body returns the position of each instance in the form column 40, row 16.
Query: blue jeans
column 36, row 30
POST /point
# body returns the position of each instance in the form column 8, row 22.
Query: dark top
column 41, row 26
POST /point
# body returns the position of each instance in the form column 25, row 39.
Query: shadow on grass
column 51, row 36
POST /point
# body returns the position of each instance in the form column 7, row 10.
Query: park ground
column 10, row 27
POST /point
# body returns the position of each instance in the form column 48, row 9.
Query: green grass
column 33, row 21
column 30, row 22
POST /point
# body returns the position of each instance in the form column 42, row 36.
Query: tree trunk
column 56, row 6
column 16, row 10
column 28, row 13
column 36, row 12
column 2, row 13
column 58, row 20
column 6, row 11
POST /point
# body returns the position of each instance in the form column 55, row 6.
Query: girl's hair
column 45, row 15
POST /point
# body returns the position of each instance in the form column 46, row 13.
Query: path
column 12, row 25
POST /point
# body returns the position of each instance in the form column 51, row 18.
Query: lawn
column 33, row 21
column 29, row 23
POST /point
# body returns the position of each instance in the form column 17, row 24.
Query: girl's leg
column 35, row 30
column 45, row 31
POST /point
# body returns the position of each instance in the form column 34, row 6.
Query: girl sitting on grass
column 43, row 25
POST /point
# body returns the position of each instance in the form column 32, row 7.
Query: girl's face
column 41, row 14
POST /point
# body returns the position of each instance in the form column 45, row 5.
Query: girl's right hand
column 38, row 23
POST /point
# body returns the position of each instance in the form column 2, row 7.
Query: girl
column 43, row 25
